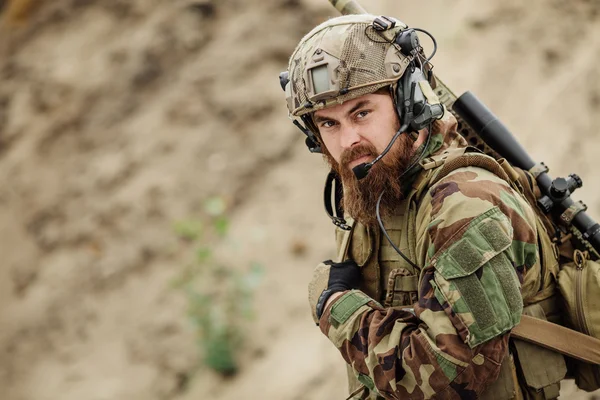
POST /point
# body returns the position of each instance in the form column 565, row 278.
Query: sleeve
column 477, row 236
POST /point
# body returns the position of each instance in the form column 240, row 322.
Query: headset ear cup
column 399, row 100
column 403, row 95
column 413, row 106
column 418, row 109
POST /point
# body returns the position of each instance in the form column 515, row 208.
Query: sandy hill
column 119, row 118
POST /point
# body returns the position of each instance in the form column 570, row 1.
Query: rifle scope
column 499, row 138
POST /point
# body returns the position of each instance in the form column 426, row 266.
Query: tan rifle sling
column 558, row 338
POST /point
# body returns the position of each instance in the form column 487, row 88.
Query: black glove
column 338, row 277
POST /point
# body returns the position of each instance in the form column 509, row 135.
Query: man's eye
column 327, row 124
column 362, row 114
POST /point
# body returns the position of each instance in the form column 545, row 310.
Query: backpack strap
column 439, row 159
column 469, row 159
column 431, row 165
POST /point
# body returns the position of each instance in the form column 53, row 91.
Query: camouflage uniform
column 440, row 329
column 474, row 238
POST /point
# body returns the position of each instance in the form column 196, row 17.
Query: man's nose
column 349, row 137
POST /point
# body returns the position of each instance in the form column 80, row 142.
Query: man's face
column 356, row 132
column 367, row 121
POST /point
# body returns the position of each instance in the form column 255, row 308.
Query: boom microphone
column 362, row 170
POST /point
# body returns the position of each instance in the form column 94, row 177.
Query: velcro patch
column 347, row 305
column 485, row 236
column 476, row 277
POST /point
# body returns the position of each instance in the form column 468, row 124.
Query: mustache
column 357, row 152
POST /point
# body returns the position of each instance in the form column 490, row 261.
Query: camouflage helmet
column 342, row 59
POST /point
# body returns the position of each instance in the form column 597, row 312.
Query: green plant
column 219, row 296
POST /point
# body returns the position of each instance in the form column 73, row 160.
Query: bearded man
column 426, row 285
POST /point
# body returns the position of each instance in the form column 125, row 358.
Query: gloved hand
column 329, row 278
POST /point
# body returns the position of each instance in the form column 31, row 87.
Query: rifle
column 484, row 130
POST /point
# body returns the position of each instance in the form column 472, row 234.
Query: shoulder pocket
column 475, row 276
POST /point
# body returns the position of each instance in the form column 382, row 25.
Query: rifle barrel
column 348, row 7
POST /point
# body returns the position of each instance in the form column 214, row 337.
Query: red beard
column 360, row 196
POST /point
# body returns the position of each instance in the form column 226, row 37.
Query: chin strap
column 332, row 198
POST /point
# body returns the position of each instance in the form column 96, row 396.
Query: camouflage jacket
column 475, row 238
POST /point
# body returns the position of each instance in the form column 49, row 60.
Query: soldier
column 432, row 249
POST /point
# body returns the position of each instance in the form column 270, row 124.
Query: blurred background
column 160, row 216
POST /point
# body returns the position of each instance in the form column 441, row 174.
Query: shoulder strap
column 471, row 160
column 439, row 166
column 440, row 159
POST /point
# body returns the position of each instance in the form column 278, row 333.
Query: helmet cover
column 342, row 59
